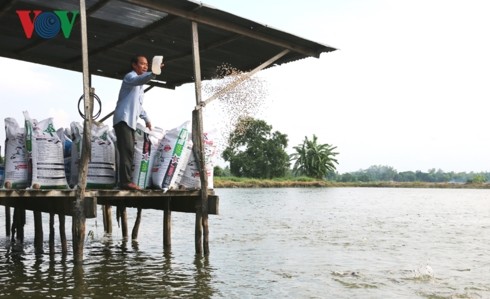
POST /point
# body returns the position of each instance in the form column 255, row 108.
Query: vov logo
column 47, row 24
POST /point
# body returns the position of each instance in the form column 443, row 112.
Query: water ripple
column 278, row 243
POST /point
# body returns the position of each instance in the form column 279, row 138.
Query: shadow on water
column 203, row 277
column 111, row 269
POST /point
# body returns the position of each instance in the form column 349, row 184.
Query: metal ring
column 94, row 117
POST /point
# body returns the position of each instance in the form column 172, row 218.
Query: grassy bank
column 234, row 182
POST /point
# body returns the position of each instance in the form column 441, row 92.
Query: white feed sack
column 15, row 173
column 191, row 178
column 66, row 141
column 44, row 154
column 186, row 156
column 146, row 144
column 170, row 157
column 102, row 166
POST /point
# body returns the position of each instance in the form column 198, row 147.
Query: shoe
column 131, row 186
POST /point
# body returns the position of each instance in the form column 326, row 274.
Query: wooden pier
column 62, row 203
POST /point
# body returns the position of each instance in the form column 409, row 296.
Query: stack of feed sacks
column 191, row 178
column 102, row 166
column 46, row 167
column 15, row 172
column 145, row 149
column 170, row 157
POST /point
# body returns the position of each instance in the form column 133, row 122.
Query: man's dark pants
column 125, row 146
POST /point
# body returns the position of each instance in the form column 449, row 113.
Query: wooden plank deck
column 61, row 201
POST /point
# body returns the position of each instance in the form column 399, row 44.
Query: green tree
column 313, row 159
column 405, row 176
column 218, row 171
column 255, row 151
column 381, row 173
column 478, row 178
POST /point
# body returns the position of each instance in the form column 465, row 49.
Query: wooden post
column 136, row 227
column 38, row 232
column 51, row 234
column 78, row 219
column 167, row 225
column 64, row 244
column 7, row 221
column 107, row 216
column 202, row 211
column 14, row 225
column 123, row 216
column 201, row 229
column 18, row 225
column 21, row 224
column 104, row 218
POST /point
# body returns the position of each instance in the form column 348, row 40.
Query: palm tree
column 313, row 159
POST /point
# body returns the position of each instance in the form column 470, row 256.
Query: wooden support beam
column 56, row 205
column 62, row 202
column 38, row 233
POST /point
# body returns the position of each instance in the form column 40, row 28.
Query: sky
column 407, row 88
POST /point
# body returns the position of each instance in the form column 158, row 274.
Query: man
column 129, row 107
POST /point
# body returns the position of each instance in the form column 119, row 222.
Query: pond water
column 276, row 243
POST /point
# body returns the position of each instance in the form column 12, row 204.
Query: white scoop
column 156, row 65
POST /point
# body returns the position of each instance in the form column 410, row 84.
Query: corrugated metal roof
column 119, row 29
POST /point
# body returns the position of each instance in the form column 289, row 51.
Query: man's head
column 139, row 64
